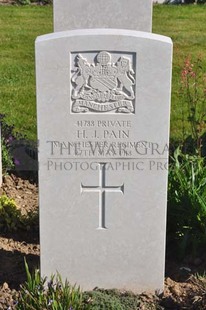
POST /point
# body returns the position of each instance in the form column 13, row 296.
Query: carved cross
column 102, row 188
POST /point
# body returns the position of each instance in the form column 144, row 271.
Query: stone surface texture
column 103, row 210
column 121, row 14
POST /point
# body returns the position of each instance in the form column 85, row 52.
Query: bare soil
column 182, row 289
column 15, row 246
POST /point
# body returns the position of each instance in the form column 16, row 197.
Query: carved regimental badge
column 103, row 84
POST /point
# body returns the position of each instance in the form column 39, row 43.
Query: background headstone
column 120, row 14
column 103, row 100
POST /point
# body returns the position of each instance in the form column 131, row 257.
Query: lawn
column 186, row 26
column 19, row 28
column 21, row 25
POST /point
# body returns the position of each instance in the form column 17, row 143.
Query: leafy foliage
column 10, row 216
column 187, row 173
column 6, row 137
column 24, row 2
column 184, row 1
column 7, row 161
column 100, row 301
column 12, row 142
column 38, row 294
column 111, row 299
column 193, row 95
column 187, row 201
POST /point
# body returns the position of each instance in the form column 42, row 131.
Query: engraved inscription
column 103, row 85
column 102, row 188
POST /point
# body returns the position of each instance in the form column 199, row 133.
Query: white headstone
column 120, row 14
column 103, row 99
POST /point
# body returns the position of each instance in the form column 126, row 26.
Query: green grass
column 19, row 26
column 186, row 26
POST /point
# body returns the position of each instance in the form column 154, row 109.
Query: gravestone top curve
column 101, row 32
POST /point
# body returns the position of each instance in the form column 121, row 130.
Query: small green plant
column 193, row 94
column 112, row 300
column 30, row 221
column 201, row 1
column 7, row 139
column 187, row 201
column 10, row 216
column 7, row 161
column 47, row 1
column 24, row 2
column 101, row 300
column 38, row 294
column 187, row 173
